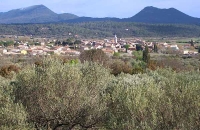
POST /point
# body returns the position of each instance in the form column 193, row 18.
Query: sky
column 104, row 8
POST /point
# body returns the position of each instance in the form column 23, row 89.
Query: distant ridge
column 42, row 14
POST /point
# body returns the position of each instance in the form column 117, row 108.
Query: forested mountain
column 102, row 29
column 33, row 14
column 89, row 19
column 42, row 14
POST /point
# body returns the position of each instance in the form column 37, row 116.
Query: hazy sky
column 104, row 8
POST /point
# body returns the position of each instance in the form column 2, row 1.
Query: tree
column 146, row 55
column 77, row 42
column 155, row 48
column 69, row 42
column 126, row 46
column 119, row 66
column 94, row 56
column 154, row 101
column 139, row 47
column 192, row 43
column 57, row 43
column 63, row 96
column 12, row 115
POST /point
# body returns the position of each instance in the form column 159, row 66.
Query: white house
column 174, row 47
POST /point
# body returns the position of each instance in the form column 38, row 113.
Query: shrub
column 93, row 55
column 118, row 66
column 157, row 100
column 12, row 115
column 63, row 96
column 6, row 71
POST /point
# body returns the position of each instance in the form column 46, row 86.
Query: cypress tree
column 146, row 55
column 191, row 43
column 155, row 48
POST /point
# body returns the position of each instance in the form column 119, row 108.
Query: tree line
column 102, row 29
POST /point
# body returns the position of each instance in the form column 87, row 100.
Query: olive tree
column 12, row 115
column 131, row 101
column 161, row 99
column 94, row 55
column 66, row 96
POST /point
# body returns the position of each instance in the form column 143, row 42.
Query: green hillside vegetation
column 102, row 30
column 97, row 93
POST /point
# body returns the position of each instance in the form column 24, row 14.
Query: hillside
column 102, row 30
column 33, row 14
column 155, row 15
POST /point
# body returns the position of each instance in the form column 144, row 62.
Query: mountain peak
column 155, row 8
column 150, row 7
column 35, row 7
column 152, row 14
column 33, row 14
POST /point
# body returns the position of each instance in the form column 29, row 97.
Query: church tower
column 115, row 38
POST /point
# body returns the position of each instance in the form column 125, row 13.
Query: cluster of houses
column 109, row 46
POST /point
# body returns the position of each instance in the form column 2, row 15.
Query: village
column 109, row 46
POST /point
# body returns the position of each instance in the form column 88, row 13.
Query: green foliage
column 157, row 100
column 77, row 42
column 126, row 47
column 102, row 29
column 155, row 48
column 69, row 41
column 7, row 71
column 146, row 55
column 6, row 43
column 199, row 49
column 94, row 55
column 139, row 47
column 137, row 55
column 63, row 96
column 119, row 66
column 139, row 66
column 116, row 54
column 192, row 43
column 12, row 115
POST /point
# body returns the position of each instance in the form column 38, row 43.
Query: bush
column 63, row 96
column 93, row 55
column 53, row 95
column 137, row 55
column 119, row 66
column 157, row 100
column 12, row 115
column 6, row 71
